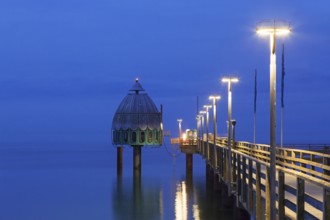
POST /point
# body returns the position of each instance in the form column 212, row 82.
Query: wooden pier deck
column 302, row 177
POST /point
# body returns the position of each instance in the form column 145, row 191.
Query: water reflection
column 132, row 201
column 181, row 202
column 152, row 199
column 186, row 202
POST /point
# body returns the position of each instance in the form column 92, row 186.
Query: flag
column 255, row 91
column 282, row 80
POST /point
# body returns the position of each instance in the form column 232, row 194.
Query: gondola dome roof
column 136, row 111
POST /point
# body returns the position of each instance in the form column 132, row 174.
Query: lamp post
column 207, row 107
column 214, row 103
column 197, row 128
column 272, row 29
column 229, row 81
column 180, row 121
column 202, row 125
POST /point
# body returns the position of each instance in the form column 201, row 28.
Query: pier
column 302, row 177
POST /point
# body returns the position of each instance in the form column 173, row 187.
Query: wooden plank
column 312, row 163
column 306, row 170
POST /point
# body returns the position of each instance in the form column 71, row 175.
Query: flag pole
column 255, row 106
column 282, row 95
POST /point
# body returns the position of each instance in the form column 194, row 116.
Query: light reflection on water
column 181, row 209
column 73, row 183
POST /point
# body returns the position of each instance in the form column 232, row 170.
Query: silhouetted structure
column 137, row 122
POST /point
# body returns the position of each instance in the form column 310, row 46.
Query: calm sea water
column 65, row 182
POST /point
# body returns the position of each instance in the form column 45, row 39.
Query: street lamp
column 207, row 107
column 273, row 29
column 179, row 121
column 202, row 126
column 214, row 99
column 229, row 81
column 198, row 118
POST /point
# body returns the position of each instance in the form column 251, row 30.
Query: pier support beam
column 189, row 168
column 119, row 161
column 189, row 163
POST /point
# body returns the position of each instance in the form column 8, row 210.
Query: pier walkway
column 302, row 177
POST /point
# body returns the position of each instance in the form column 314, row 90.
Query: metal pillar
column 229, row 138
column 119, row 160
column 272, row 177
column 137, row 158
column 207, row 132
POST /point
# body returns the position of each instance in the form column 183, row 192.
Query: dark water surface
column 60, row 183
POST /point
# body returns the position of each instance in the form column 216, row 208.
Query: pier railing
column 302, row 176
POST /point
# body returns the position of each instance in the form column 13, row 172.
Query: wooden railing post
column 300, row 196
column 250, row 186
column 208, row 150
column 220, row 162
column 258, row 192
column 234, row 167
column 302, row 163
column 244, row 191
column 281, row 194
column 268, row 195
column 224, row 164
column 312, row 157
column 326, row 161
column 326, row 193
column 210, row 153
column 293, row 155
column 238, row 180
column 326, row 204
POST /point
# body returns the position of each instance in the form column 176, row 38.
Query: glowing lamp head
column 277, row 31
column 270, row 27
column 202, row 112
column 212, row 97
column 226, row 79
column 179, row 120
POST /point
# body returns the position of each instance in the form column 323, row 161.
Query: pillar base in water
column 119, row 161
column 137, row 159
column 189, row 168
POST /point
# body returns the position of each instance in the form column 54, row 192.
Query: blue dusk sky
column 66, row 65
